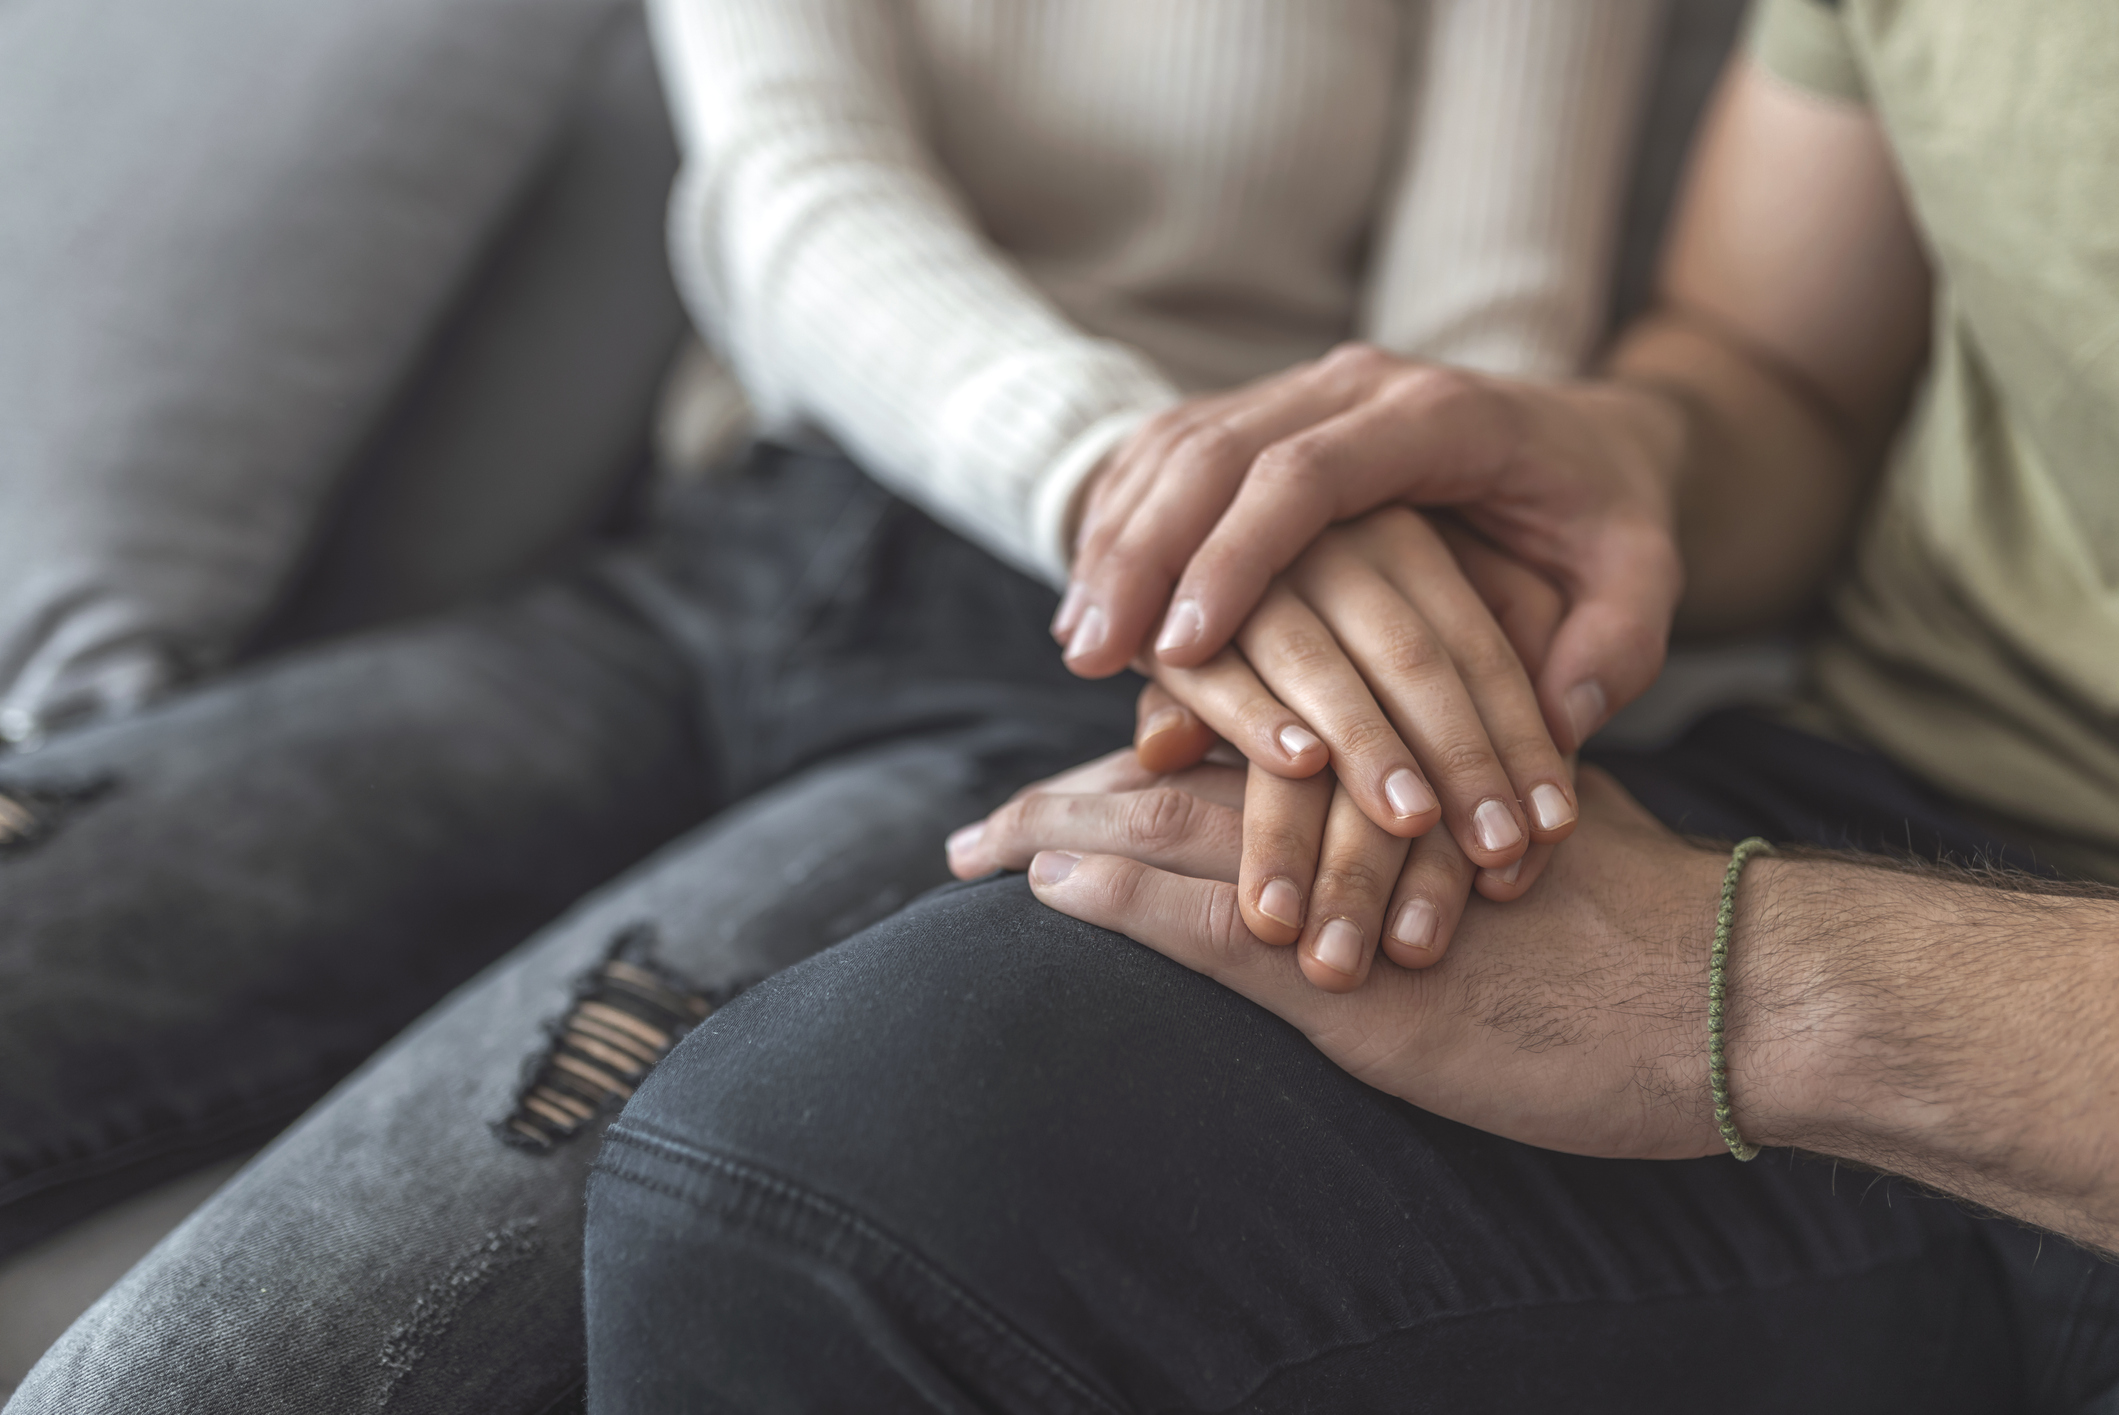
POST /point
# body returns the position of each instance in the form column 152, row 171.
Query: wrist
column 1948, row 1031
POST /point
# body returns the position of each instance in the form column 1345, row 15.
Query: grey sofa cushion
column 527, row 422
column 228, row 228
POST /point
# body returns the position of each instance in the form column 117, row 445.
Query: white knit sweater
column 977, row 242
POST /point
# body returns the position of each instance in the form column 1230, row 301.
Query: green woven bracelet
column 1717, row 994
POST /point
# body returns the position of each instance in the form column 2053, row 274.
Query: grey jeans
column 762, row 723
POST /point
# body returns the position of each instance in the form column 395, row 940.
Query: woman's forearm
column 818, row 240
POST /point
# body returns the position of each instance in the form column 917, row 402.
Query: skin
column 1727, row 449
column 1315, row 870
column 1953, row 1029
column 1576, row 1019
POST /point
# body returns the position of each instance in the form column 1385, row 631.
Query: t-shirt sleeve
column 1805, row 43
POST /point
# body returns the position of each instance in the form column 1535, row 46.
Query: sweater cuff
column 1056, row 491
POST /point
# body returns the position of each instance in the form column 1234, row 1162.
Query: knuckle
column 1305, row 651
column 1410, row 645
column 1352, row 879
column 1435, row 386
column 1355, row 356
column 1229, row 941
column 1292, row 465
column 1487, row 657
column 1211, row 444
column 1462, row 760
column 1158, row 818
column 1364, row 735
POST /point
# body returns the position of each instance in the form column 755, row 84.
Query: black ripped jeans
column 984, row 1157
column 733, row 744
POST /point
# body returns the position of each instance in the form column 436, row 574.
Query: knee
column 970, row 1022
column 974, row 1057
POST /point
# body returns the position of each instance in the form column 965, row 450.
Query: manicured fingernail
column 1549, row 804
column 1585, row 708
column 966, row 839
column 1089, row 635
column 1507, row 874
column 1339, row 947
column 1495, row 826
column 1052, row 866
column 1281, row 902
column 1408, row 794
column 1164, row 720
column 1297, row 740
column 1416, row 924
column 1070, row 608
column 1182, row 627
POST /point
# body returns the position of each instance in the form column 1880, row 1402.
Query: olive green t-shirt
column 1975, row 638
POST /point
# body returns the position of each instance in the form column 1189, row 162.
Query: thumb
column 1610, row 646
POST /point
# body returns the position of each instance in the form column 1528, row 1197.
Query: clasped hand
column 1403, row 644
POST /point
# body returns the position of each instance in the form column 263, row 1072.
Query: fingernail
column 1297, row 740
column 1052, row 866
column 1070, row 606
column 1164, row 720
column 1416, row 924
column 1183, row 626
column 1495, row 826
column 1507, row 874
column 1549, row 804
column 1408, row 794
column 1339, row 947
column 1585, row 708
column 1089, row 635
column 968, row 838
column 1281, row 902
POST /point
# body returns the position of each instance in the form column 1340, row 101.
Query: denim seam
column 1436, row 1319
column 843, row 1217
column 283, row 1103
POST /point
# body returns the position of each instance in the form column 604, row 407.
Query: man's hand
column 1954, row 1029
column 1574, row 1018
column 1367, row 889
column 1218, row 496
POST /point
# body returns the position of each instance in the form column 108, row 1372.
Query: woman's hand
column 1190, row 523
column 1388, row 631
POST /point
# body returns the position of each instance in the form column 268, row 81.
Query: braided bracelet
column 1717, row 994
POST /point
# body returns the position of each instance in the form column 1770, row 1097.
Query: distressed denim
column 984, row 1157
column 742, row 741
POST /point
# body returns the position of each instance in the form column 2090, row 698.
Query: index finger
column 1430, row 431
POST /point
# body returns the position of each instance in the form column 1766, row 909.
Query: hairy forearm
column 1768, row 479
column 1962, row 1033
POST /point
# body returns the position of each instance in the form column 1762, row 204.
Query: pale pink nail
column 1297, row 740
column 1339, row 947
column 1408, row 794
column 1495, row 826
column 1586, row 704
column 1549, row 804
column 966, row 839
column 1416, row 924
column 1052, row 866
column 1508, row 873
column 1070, row 607
column 1163, row 721
column 1090, row 634
column 1182, row 628
column 1281, row 902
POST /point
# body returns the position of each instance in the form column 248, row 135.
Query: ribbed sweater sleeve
column 1497, row 252
column 837, row 270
